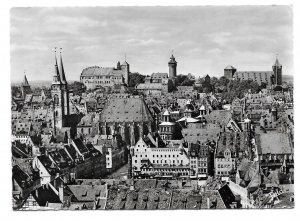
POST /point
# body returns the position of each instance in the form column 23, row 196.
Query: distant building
column 96, row 77
column 229, row 72
column 25, row 88
column 273, row 77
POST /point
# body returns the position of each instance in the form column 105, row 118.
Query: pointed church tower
column 60, row 97
column 65, row 89
column 25, row 87
column 277, row 69
column 25, row 81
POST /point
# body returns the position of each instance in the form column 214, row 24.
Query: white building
column 160, row 161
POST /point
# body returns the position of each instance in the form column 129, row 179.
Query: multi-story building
column 166, row 127
column 231, row 146
column 96, row 77
column 275, row 151
column 170, row 161
column 201, row 160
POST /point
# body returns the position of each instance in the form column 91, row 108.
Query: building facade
column 96, row 77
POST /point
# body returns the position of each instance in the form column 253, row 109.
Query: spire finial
column 172, row 51
column 125, row 56
column 55, row 55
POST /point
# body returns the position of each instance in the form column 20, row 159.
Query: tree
column 187, row 82
column 135, row 78
column 77, row 87
column 15, row 90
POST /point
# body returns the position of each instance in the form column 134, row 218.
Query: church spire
column 25, row 80
column 62, row 71
column 56, row 77
column 277, row 62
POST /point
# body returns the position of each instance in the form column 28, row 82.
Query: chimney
column 208, row 203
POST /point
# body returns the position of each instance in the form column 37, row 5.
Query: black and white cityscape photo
column 152, row 108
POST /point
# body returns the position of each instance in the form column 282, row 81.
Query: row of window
column 165, row 161
column 159, row 156
column 222, row 172
column 166, row 129
column 224, row 165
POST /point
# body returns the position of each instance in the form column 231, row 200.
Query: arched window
column 56, row 100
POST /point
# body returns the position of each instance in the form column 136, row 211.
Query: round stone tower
column 172, row 67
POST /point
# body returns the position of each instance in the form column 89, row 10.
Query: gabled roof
column 87, row 193
column 81, row 147
column 45, row 194
column 221, row 117
column 48, row 164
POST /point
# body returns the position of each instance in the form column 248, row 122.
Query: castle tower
column 125, row 69
column 172, row 67
column 229, row 72
column 60, row 97
column 25, row 87
column 277, row 69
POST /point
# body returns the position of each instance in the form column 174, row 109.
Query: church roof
column 129, row 109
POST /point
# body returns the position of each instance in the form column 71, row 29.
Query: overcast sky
column 204, row 39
